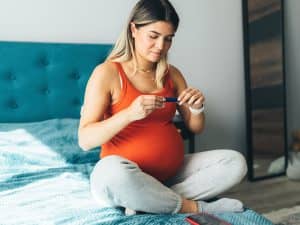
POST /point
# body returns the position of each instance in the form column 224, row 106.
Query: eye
column 152, row 36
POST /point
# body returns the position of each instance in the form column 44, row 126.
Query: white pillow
column 293, row 170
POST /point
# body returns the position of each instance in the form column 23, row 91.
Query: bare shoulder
column 104, row 73
column 176, row 76
column 98, row 92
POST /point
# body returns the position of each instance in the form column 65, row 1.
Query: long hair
column 143, row 13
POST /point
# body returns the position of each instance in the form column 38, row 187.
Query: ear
column 133, row 29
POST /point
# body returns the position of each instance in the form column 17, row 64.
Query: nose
column 160, row 43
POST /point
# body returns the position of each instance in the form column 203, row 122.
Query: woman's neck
column 143, row 65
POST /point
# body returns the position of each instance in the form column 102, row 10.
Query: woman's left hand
column 192, row 97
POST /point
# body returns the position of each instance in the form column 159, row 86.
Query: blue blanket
column 44, row 179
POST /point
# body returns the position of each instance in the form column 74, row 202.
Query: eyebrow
column 169, row 35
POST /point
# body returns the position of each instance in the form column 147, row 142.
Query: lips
column 158, row 54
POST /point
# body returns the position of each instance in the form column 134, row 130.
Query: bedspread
column 44, row 179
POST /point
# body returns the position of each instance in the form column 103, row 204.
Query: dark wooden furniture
column 185, row 133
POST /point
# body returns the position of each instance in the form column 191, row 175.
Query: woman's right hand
column 143, row 105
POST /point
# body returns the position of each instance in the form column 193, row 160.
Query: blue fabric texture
column 44, row 179
column 40, row 81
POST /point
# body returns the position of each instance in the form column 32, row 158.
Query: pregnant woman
column 143, row 166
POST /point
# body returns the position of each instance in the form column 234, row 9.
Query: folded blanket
column 44, row 179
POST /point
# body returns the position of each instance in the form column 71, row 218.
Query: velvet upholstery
column 40, row 81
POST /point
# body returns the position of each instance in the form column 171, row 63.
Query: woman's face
column 153, row 41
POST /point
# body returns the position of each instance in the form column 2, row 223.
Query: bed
column 44, row 175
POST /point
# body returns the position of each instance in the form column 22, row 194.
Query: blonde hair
column 143, row 13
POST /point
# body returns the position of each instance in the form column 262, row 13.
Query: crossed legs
column 116, row 181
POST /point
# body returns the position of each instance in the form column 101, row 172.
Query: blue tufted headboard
column 40, row 81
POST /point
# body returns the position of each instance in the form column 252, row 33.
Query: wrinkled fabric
column 44, row 179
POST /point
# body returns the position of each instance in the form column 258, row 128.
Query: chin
column 154, row 59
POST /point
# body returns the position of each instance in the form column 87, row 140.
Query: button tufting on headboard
column 11, row 76
column 42, row 61
column 76, row 102
column 12, row 104
column 45, row 91
column 75, row 76
column 40, row 81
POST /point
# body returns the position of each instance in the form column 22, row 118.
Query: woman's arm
column 188, row 97
column 93, row 129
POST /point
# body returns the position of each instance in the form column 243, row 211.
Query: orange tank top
column 153, row 142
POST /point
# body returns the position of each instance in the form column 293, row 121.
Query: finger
column 160, row 105
column 189, row 91
column 153, row 103
column 202, row 99
column 148, row 107
column 188, row 95
column 153, row 107
column 183, row 93
column 185, row 97
column 199, row 103
column 153, row 97
column 157, row 101
column 194, row 98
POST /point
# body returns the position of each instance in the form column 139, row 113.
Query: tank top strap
column 169, row 80
column 123, row 77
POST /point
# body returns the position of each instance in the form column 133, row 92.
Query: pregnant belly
column 158, row 151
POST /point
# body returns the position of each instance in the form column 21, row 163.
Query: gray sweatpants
column 118, row 182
